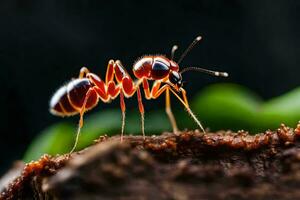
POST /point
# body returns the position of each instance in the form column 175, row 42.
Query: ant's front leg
column 170, row 113
column 184, row 101
column 187, row 107
column 156, row 91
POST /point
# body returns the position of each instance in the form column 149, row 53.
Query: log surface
column 191, row 165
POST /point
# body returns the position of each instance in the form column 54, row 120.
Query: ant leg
column 83, row 72
column 142, row 111
column 109, row 72
column 184, row 102
column 123, row 109
column 146, row 89
column 184, row 96
column 170, row 113
column 89, row 93
column 187, row 107
column 123, row 78
column 156, row 92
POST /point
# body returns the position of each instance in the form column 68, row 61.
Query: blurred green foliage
column 59, row 138
column 230, row 106
column 53, row 140
column 220, row 106
column 282, row 109
column 227, row 106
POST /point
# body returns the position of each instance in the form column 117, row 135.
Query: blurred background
column 43, row 44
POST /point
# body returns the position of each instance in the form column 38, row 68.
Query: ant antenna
column 214, row 73
column 174, row 48
column 196, row 40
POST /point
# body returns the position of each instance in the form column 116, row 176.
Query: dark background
column 44, row 43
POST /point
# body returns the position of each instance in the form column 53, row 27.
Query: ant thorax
column 154, row 67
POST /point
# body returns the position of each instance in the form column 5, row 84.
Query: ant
column 82, row 94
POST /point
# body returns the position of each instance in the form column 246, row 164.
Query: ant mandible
column 83, row 93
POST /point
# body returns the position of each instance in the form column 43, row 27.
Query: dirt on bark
column 191, row 165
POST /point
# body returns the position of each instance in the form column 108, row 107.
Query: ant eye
column 159, row 70
column 175, row 78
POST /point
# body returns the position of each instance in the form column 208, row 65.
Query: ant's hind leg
column 170, row 113
column 123, row 109
column 142, row 111
column 90, row 92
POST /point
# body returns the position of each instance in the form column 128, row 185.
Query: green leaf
column 59, row 138
column 226, row 106
column 56, row 139
column 282, row 109
column 107, row 122
column 156, row 122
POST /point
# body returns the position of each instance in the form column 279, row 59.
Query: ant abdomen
column 69, row 99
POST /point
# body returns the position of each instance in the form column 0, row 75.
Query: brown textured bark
column 220, row 165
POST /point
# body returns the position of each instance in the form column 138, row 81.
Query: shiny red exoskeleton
column 83, row 93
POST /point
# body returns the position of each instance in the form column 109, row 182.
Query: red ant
column 83, row 93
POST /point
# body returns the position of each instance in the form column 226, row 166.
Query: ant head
column 176, row 79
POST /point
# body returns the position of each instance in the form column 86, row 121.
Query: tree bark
column 191, row 165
